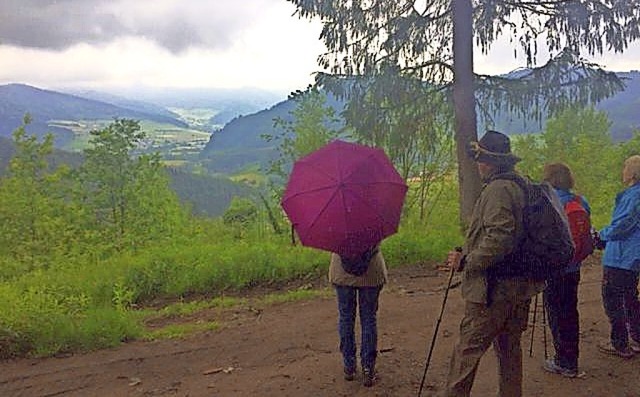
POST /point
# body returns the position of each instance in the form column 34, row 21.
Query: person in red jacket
column 561, row 293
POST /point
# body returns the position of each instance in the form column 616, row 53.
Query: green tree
column 312, row 126
column 241, row 214
column 580, row 138
column 128, row 194
column 34, row 211
column 397, row 113
column 436, row 43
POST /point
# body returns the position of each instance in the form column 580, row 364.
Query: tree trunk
column 272, row 218
column 464, row 106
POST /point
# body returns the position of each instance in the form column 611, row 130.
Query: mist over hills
column 123, row 102
column 239, row 143
column 227, row 103
column 45, row 106
column 623, row 110
column 245, row 114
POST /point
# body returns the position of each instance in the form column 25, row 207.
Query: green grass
column 193, row 307
column 296, row 295
column 85, row 302
column 175, row 331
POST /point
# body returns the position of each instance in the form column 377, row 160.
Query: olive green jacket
column 494, row 231
column 375, row 276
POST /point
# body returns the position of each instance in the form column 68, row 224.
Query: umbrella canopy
column 344, row 198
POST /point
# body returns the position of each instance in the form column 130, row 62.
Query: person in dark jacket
column 561, row 293
column 496, row 310
column 361, row 291
column 621, row 266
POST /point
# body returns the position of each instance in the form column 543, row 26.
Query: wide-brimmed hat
column 494, row 148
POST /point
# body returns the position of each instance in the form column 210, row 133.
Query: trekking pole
column 533, row 326
column 544, row 328
column 435, row 331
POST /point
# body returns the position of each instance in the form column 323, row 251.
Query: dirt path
column 291, row 349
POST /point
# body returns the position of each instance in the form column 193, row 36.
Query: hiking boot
column 368, row 377
column 608, row 348
column 349, row 374
column 634, row 346
column 553, row 367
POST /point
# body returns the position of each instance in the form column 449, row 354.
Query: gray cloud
column 174, row 24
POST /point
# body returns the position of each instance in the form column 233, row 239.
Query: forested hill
column 126, row 103
column 205, row 195
column 240, row 143
column 623, row 110
column 245, row 131
column 58, row 157
column 45, row 106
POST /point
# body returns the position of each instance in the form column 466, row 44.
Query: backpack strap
column 523, row 183
column 511, row 176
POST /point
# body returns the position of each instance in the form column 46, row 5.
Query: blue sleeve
column 626, row 218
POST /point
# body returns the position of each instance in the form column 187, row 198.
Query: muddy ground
column 291, row 349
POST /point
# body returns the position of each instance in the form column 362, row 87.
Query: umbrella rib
column 362, row 164
column 309, row 191
column 321, row 211
column 367, row 204
column 376, row 183
column 320, row 170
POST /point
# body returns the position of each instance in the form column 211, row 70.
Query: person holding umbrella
column 357, row 289
column 346, row 198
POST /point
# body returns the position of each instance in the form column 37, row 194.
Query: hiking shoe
column 368, row 377
column 349, row 374
column 552, row 367
column 607, row 347
column 634, row 346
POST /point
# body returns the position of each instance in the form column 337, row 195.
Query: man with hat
column 496, row 309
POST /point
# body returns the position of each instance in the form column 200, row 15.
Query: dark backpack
column 358, row 265
column 580, row 227
column 546, row 248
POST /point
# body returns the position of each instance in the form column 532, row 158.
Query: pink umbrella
column 344, row 198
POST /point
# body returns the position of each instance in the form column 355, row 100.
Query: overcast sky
column 177, row 43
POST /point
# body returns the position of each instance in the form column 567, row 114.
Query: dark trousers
column 620, row 298
column 561, row 304
column 366, row 298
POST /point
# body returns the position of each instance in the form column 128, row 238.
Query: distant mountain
column 623, row 110
column 239, row 143
column 45, row 106
column 206, row 195
column 57, row 158
column 227, row 103
column 125, row 103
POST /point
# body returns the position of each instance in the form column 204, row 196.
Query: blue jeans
column 620, row 298
column 367, row 300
